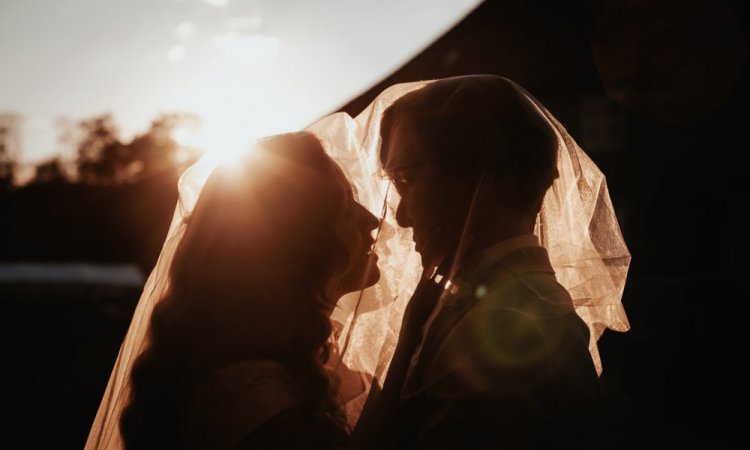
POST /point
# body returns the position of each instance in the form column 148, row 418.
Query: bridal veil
column 577, row 225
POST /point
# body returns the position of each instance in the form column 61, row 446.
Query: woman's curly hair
column 248, row 281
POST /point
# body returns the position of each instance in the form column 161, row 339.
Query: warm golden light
column 234, row 112
column 218, row 146
column 238, row 95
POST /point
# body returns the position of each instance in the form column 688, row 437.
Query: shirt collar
column 488, row 258
column 502, row 248
column 494, row 253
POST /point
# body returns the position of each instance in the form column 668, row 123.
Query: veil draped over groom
column 577, row 225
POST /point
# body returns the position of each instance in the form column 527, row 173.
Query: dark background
column 653, row 90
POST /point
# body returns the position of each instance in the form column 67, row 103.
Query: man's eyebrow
column 406, row 166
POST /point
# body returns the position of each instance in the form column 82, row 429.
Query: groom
column 491, row 352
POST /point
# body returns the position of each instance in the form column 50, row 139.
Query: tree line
column 99, row 154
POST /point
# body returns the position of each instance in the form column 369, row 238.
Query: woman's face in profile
column 357, row 262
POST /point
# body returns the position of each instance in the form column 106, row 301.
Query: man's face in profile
column 432, row 204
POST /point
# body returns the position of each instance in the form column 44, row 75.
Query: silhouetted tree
column 10, row 146
column 156, row 150
column 51, row 171
column 104, row 159
column 99, row 150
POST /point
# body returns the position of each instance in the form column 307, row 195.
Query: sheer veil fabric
column 577, row 225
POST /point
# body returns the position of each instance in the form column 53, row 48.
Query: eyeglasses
column 403, row 176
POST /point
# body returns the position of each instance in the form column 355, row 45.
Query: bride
column 239, row 342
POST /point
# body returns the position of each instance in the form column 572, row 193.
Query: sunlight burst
column 218, row 145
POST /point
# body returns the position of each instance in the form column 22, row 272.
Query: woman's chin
column 372, row 272
column 372, row 276
column 368, row 275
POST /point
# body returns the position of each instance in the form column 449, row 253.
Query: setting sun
column 233, row 115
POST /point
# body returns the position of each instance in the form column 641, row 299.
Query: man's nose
column 401, row 216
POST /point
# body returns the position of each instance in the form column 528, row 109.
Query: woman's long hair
column 247, row 282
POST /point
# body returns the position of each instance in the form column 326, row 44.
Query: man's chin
column 434, row 262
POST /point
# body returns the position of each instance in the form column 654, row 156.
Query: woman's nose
column 370, row 221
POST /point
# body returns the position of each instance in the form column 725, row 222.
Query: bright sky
column 248, row 68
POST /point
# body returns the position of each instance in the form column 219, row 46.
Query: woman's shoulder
column 235, row 400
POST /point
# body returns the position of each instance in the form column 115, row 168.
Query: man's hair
column 480, row 125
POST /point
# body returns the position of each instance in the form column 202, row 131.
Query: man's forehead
column 404, row 148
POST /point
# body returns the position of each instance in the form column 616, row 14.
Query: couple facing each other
column 490, row 354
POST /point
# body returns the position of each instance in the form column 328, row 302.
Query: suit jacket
column 504, row 361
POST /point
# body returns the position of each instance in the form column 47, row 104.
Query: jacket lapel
column 422, row 372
